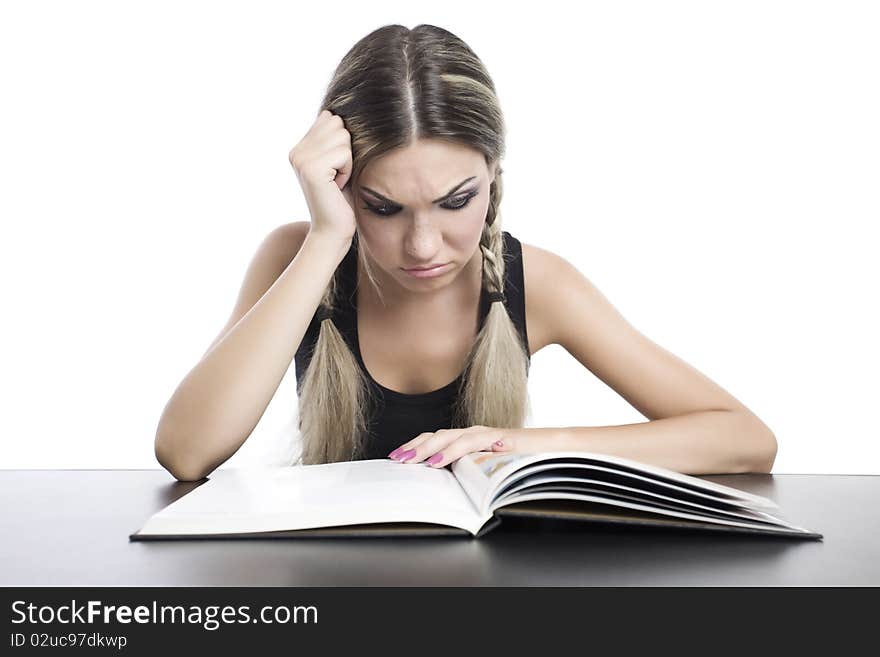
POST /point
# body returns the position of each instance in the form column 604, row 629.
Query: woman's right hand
column 322, row 162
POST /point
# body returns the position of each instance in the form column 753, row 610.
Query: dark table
column 71, row 528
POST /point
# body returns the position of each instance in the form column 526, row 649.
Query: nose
column 423, row 243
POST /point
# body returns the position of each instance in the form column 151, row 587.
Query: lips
column 439, row 264
column 429, row 273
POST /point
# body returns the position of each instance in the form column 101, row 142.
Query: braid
column 494, row 388
column 492, row 241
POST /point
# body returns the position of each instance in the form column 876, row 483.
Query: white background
column 712, row 167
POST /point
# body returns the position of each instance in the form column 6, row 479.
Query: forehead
column 428, row 166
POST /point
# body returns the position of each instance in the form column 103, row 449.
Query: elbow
column 754, row 449
column 183, row 474
column 768, row 455
column 763, row 456
column 178, row 469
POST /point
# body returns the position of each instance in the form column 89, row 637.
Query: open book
column 382, row 497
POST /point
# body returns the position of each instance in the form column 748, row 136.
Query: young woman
column 403, row 302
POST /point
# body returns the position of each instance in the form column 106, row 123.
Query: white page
column 632, row 477
column 498, row 466
column 472, row 476
column 264, row 499
column 597, row 486
column 620, row 496
column 527, row 497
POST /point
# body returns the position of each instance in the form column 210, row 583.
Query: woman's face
column 420, row 205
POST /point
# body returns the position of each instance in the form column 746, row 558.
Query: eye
column 458, row 202
column 382, row 210
column 454, row 203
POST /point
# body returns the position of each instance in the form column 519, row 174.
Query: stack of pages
column 473, row 495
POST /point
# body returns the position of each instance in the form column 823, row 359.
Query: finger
column 343, row 174
column 420, row 440
column 511, row 440
column 466, row 444
column 411, row 444
column 500, row 445
column 435, row 443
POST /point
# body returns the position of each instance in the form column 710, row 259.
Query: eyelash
column 389, row 211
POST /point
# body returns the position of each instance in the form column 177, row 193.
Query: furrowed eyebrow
column 437, row 200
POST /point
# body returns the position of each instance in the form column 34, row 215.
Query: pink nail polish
column 499, row 443
column 395, row 453
column 408, row 454
column 435, row 459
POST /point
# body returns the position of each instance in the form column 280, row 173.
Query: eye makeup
column 453, row 203
column 388, row 201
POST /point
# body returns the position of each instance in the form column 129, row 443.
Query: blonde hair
column 396, row 85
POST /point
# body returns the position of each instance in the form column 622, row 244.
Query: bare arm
column 695, row 426
column 218, row 404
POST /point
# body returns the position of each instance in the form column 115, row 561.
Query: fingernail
column 435, row 459
column 499, row 443
column 408, row 454
column 395, row 453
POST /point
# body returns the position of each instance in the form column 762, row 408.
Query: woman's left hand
column 440, row 448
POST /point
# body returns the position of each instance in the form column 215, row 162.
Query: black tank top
column 398, row 417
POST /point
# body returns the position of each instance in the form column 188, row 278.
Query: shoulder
column 544, row 265
column 552, row 284
column 278, row 249
column 287, row 239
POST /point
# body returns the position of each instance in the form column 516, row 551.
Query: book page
column 471, row 472
column 559, row 471
column 266, row 499
column 776, row 525
column 498, row 467
column 482, row 473
column 618, row 491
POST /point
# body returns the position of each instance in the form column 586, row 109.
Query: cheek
column 465, row 228
column 474, row 216
column 381, row 240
